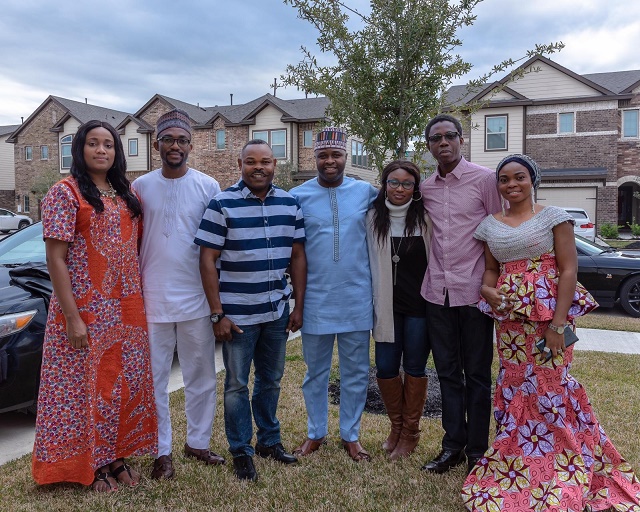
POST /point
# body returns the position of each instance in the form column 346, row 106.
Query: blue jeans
column 411, row 345
column 264, row 344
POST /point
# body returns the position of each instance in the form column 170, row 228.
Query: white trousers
column 197, row 356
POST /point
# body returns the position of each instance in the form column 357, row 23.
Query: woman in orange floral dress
column 95, row 404
column 550, row 453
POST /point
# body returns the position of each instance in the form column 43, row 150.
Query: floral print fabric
column 95, row 404
column 550, row 453
column 533, row 284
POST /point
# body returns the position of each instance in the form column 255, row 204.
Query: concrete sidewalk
column 599, row 340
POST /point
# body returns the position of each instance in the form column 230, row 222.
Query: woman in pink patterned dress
column 550, row 453
column 96, row 403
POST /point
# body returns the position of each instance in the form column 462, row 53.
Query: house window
column 26, row 203
column 133, row 147
column 566, row 122
column 277, row 139
column 496, row 133
column 630, row 123
column 261, row 136
column 28, row 153
column 358, row 154
column 65, row 152
column 279, row 143
column 44, row 152
column 221, row 139
column 307, row 139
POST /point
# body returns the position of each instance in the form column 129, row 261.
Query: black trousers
column 462, row 346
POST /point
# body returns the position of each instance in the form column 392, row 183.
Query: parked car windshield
column 23, row 246
column 588, row 248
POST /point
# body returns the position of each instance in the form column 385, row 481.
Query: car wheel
column 4, row 230
column 630, row 296
column 23, row 224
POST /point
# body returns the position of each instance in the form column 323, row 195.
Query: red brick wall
column 540, row 124
column 306, row 159
column 8, row 199
column 37, row 133
column 628, row 150
column 222, row 164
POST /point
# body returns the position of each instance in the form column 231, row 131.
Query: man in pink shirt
column 457, row 197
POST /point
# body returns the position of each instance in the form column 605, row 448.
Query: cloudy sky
column 118, row 54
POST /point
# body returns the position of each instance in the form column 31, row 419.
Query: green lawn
column 327, row 480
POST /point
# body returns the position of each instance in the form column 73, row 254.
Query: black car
column 25, row 290
column 610, row 275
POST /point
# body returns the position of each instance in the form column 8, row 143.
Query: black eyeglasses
column 438, row 136
column 169, row 141
column 407, row 185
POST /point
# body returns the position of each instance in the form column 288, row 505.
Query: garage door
column 578, row 197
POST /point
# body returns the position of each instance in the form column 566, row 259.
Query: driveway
column 17, row 430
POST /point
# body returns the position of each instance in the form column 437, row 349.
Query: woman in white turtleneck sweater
column 398, row 233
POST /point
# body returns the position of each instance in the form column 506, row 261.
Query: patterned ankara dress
column 550, row 453
column 95, row 404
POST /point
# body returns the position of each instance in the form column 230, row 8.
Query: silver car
column 10, row 221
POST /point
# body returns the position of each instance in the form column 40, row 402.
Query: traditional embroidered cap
column 528, row 162
column 175, row 118
column 331, row 137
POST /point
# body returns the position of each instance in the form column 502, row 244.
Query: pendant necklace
column 395, row 258
column 110, row 192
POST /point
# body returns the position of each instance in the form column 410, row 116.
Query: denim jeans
column 264, row 344
column 411, row 345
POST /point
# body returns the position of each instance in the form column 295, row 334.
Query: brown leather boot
column 415, row 395
column 391, row 392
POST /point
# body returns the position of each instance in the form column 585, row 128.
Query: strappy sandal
column 116, row 472
column 103, row 476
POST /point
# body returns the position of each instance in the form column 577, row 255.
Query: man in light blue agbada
column 338, row 298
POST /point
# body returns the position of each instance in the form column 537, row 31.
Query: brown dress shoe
column 163, row 468
column 309, row 446
column 206, row 456
column 356, row 451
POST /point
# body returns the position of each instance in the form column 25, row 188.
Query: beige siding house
column 583, row 130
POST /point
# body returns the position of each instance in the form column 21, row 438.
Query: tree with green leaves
column 392, row 73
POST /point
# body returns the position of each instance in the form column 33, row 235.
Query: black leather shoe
column 275, row 452
column 471, row 463
column 445, row 460
column 244, row 469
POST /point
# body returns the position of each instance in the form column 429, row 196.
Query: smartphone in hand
column 569, row 339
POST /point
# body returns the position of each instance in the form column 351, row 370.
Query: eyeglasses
column 438, row 136
column 169, row 141
column 407, row 185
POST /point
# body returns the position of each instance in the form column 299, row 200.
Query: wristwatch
column 216, row 317
column 559, row 330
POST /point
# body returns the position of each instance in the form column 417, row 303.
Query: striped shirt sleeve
column 212, row 231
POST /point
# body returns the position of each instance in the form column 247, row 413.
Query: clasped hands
column 497, row 299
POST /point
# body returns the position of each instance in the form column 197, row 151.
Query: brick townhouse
column 42, row 144
column 583, row 130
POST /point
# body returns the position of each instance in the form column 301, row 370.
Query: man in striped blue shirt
column 249, row 235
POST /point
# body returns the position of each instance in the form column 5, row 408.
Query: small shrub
column 635, row 228
column 609, row 230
